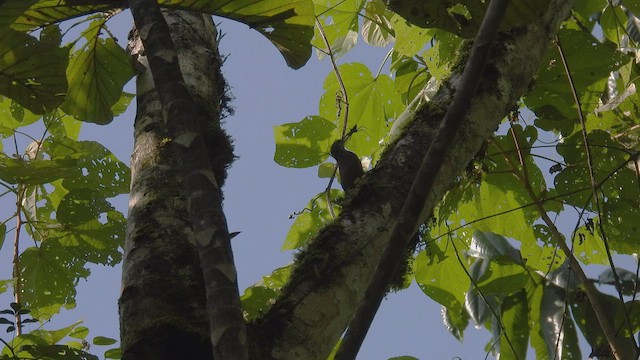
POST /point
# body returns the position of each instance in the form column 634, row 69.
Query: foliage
column 490, row 256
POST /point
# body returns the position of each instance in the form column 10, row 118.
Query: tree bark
column 162, row 306
column 331, row 274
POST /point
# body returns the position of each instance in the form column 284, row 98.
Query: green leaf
column 101, row 340
column 455, row 322
column 97, row 72
column 50, row 275
column 617, row 181
column 10, row 10
column 57, row 352
column 96, row 168
column 44, row 12
column 287, row 24
column 305, row 143
column 339, row 20
column 13, row 116
column 410, row 39
column 34, row 172
column 557, row 330
column 326, row 170
column 588, row 60
column 376, row 26
column 259, row 297
column 410, row 77
column 490, row 246
column 115, row 353
column 500, row 207
column 32, row 71
column 63, row 125
column 96, row 240
column 479, row 304
column 587, row 321
column 589, row 247
column 55, row 336
column 589, row 7
column 310, row 220
column 373, row 105
column 514, row 319
column 79, row 332
column 542, row 254
column 503, row 279
column 614, row 22
column 445, row 281
column 463, row 17
column 441, row 57
column 256, row 300
column 81, row 206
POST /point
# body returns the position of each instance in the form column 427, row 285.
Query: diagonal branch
column 184, row 117
column 409, row 217
column 330, row 276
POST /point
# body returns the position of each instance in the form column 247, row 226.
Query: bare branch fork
column 409, row 217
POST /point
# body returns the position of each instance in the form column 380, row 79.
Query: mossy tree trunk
column 162, row 306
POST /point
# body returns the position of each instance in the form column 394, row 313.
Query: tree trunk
column 162, row 305
column 332, row 273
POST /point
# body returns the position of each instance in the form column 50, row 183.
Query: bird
column 349, row 165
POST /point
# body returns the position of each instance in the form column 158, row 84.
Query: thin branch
column 338, row 76
column 17, row 273
column 342, row 98
column 408, row 219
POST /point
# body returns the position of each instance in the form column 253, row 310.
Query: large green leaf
column 259, row 297
column 373, row 105
column 339, row 20
column 97, row 168
column 444, row 281
column 57, row 352
column 43, row 12
column 589, row 62
column 96, row 73
column 13, row 116
column 310, row 220
column 513, row 344
column 305, row 143
column 32, row 70
column 463, row 17
column 49, row 276
column 588, row 323
column 34, row 172
column 410, row 39
column 287, row 24
column 376, row 26
column 620, row 203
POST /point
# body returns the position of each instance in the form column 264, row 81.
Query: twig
column 343, row 98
